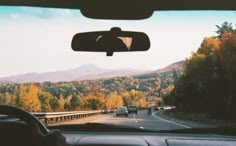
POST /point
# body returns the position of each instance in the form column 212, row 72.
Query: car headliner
column 154, row 4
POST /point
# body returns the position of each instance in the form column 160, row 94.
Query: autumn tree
column 114, row 100
column 61, row 103
column 128, row 99
column 137, row 98
column 207, row 85
column 28, row 97
column 2, row 99
column 67, row 103
column 93, row 101
column 227, row 55
column 140, row 99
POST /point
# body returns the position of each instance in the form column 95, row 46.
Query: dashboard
column 146, row 139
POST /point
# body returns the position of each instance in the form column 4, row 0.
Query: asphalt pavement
column 141, row 120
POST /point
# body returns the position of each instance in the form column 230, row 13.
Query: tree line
column 32, row 98
column 208, row 83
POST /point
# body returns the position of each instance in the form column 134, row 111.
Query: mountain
column 174, row 66
column 3, row 83
column 84, row 72
column 151, row 84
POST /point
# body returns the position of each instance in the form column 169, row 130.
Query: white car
column 122, row 111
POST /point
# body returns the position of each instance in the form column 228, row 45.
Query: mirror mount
column 110, row 53
column 114, row 31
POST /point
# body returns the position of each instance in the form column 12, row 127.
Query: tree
column 67, row 103
column 209, row 45
column 2, row 99
column 61, row 103
column 137, row 98
column 45, row 98
column 74, row 102
column 208, row 79
column 9, row 99
column 228, row 60
column 93, row 101
column 28, row 97
column 140, row 99
column 127, row 98
column 225, row 27
column 54, row 103
column 114, row 101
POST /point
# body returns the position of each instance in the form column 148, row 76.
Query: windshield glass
column 185, row 80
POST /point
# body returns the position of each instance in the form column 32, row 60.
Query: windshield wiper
column 98, row 127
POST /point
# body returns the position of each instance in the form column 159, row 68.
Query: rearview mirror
column 111, row 41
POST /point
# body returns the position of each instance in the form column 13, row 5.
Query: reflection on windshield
column 186, row 79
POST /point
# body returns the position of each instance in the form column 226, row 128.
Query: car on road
column 132, row 109
column 122, row 111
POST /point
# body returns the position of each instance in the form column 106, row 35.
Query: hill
column 84, row 72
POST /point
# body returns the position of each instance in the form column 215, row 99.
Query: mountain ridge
column 84, row 72
column 176, row 65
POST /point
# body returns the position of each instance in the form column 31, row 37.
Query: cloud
column 14, row 16
column 48, row 13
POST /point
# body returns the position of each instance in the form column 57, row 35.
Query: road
column 141, row 120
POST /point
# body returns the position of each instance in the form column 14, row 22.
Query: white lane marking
column 153, row 114
column 141, row 127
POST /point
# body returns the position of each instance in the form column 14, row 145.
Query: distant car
column 132, row 109
column 122, row 111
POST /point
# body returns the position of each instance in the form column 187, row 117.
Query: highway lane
column 142, row 120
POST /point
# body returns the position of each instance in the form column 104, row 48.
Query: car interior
column 18, row 128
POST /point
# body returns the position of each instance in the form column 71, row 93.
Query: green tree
column 225, row 27
column 45, row 98
column 75, row 102
column 54, row 103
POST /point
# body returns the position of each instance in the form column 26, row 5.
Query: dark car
column 132, row 109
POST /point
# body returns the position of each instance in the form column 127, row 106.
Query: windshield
column 185, row 80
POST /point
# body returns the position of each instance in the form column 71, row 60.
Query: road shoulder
column 182, row 122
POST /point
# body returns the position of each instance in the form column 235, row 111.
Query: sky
column 39, row 39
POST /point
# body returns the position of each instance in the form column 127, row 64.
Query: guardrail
column 56, row 117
